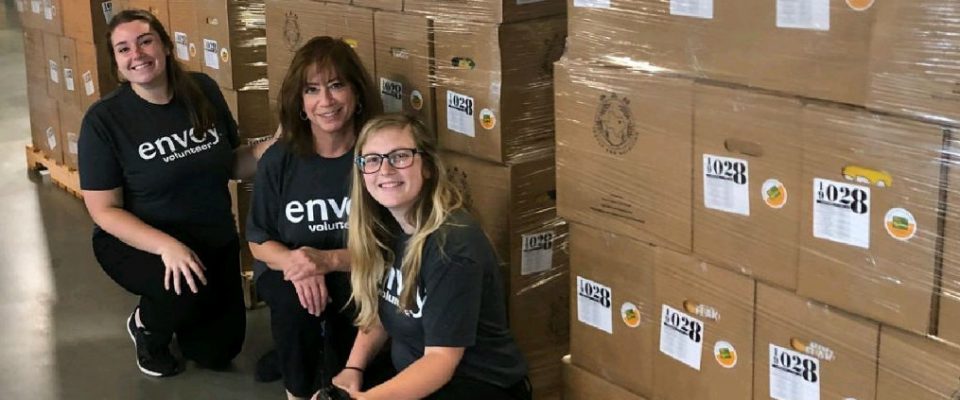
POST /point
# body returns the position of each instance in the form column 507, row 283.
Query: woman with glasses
column 297, row 224
column 425, row 276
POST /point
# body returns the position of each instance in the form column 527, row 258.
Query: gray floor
column 61, row 319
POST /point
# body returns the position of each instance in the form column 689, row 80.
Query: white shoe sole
column 134, row 340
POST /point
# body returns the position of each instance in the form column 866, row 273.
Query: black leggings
column 461, row 388
column 210, row 325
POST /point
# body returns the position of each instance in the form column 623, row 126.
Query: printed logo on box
column 416, row 100
column 291, row 31
column 487, row 119
column 613, row 124
column 630, row 314
column 774, row 193
column 725, row 354
column 900, row 224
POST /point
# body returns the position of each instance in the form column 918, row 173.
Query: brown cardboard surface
column 579, row 384
column 248, row 108
column 624, row 148
column 387, row 5
column 45, row 126
column 94, row 73
column 51, row 52
column 881, row 277
column 35, row 60
column 844, row 346
column 50, row 18
column 292, row 23
column 948, row 327
column 718, row 306
column 497, row 80
column 232, row 50
column 184, row 30
column 608, row 271
column 70, row 119
column 159, row 9
column 916, row 368
column 763, row 131
column 87, row 19
column 499, row 11
column 404, row 53
column 72, row 83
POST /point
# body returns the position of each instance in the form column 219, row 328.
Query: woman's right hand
column 181, row 262
column 349, row 379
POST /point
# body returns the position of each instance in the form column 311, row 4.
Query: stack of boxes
column 761, row 191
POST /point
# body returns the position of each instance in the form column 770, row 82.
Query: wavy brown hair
column 185, row 89
column 323, row 52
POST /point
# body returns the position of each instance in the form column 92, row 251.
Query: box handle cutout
column 743, row 147
column 867, row 176
column 463, row 63
column 213, row 21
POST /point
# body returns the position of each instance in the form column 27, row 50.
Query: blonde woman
column 425, row 276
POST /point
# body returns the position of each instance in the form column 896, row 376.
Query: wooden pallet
column 63, row 176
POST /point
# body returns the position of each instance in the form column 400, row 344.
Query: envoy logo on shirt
column 319, row 210
column 178, row 145
column 393, row 286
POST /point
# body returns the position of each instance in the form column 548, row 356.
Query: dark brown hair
column 185, row 89
column 323, row 52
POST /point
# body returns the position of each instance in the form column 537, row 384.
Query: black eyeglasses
column 399, row 159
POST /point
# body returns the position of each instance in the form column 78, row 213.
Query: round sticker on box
column 630, row 314
column 487, row 119
column 725, row 354
column 860, row 5
column 224, row 55
column 774, row 193
column 193, row 50
column 416, row 100
column 900, row 224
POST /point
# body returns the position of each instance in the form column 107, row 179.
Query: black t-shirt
column 172, row 179
column 300, row 200
column 460, row 303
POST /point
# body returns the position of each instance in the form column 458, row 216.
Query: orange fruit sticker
column 860, row 5
column 630, row 314
column 487, row 119
column 725, row 354
column 900, row 224
column 416, row 100
column 774, row 193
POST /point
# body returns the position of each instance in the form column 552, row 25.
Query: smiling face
column 140, row 54
column 329, row 102
column 395, row 189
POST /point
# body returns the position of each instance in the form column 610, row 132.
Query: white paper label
column 692, row 8
column 20, row 7
column 804, row 14
column 210, row 54
column 537, row 253
column 183, row 48
column 793, row 375
column 47, row 10
column 460, row 113
column 841, row 212
column 35, row 6
column 51, row 138
column 592, row 3
column 681, row 337
column 391, row 93
column 54, row 71
column 72, row 146
column 68, row 79
column 726, row 184
column 593, row 305
column 107, row 8
column 88, row 83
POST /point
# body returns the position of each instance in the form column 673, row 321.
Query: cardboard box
column 68, row 67
column 35, row 60
column 499, row 11
column 232, row 37
column 579, row 384
column 249, row 109
column 624, row 148
column 802, row 348
column 705, row 335
column 45, row 126
column 405, row 69
column 71, row 118
column 94, row 75
column 871, row 191
column 746, row 208
column 51, row 52
column 916, row 368
column 87, row 19
column 494, row 86
column 614, row 317
column 948, row 325
column 387, row 5
column 50, row 18
column 159, row 9
column 32, row 14
column 291, row 24
column 184, row 30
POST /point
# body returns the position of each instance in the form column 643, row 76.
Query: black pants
column 210, row 325
column 312, row 349
column 460, row 388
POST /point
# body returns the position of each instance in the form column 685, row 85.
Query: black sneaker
column 154, row 359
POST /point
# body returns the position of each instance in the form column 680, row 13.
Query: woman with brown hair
column 298, row 217
column 155, row 156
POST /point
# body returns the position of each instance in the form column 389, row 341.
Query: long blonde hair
column 369, row 236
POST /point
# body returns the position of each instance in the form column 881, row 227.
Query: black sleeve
column 98, row 164
column 210, row 88
column 451, row 310
column 265, row 205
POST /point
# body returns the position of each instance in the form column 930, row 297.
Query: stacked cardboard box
column 796, row 156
